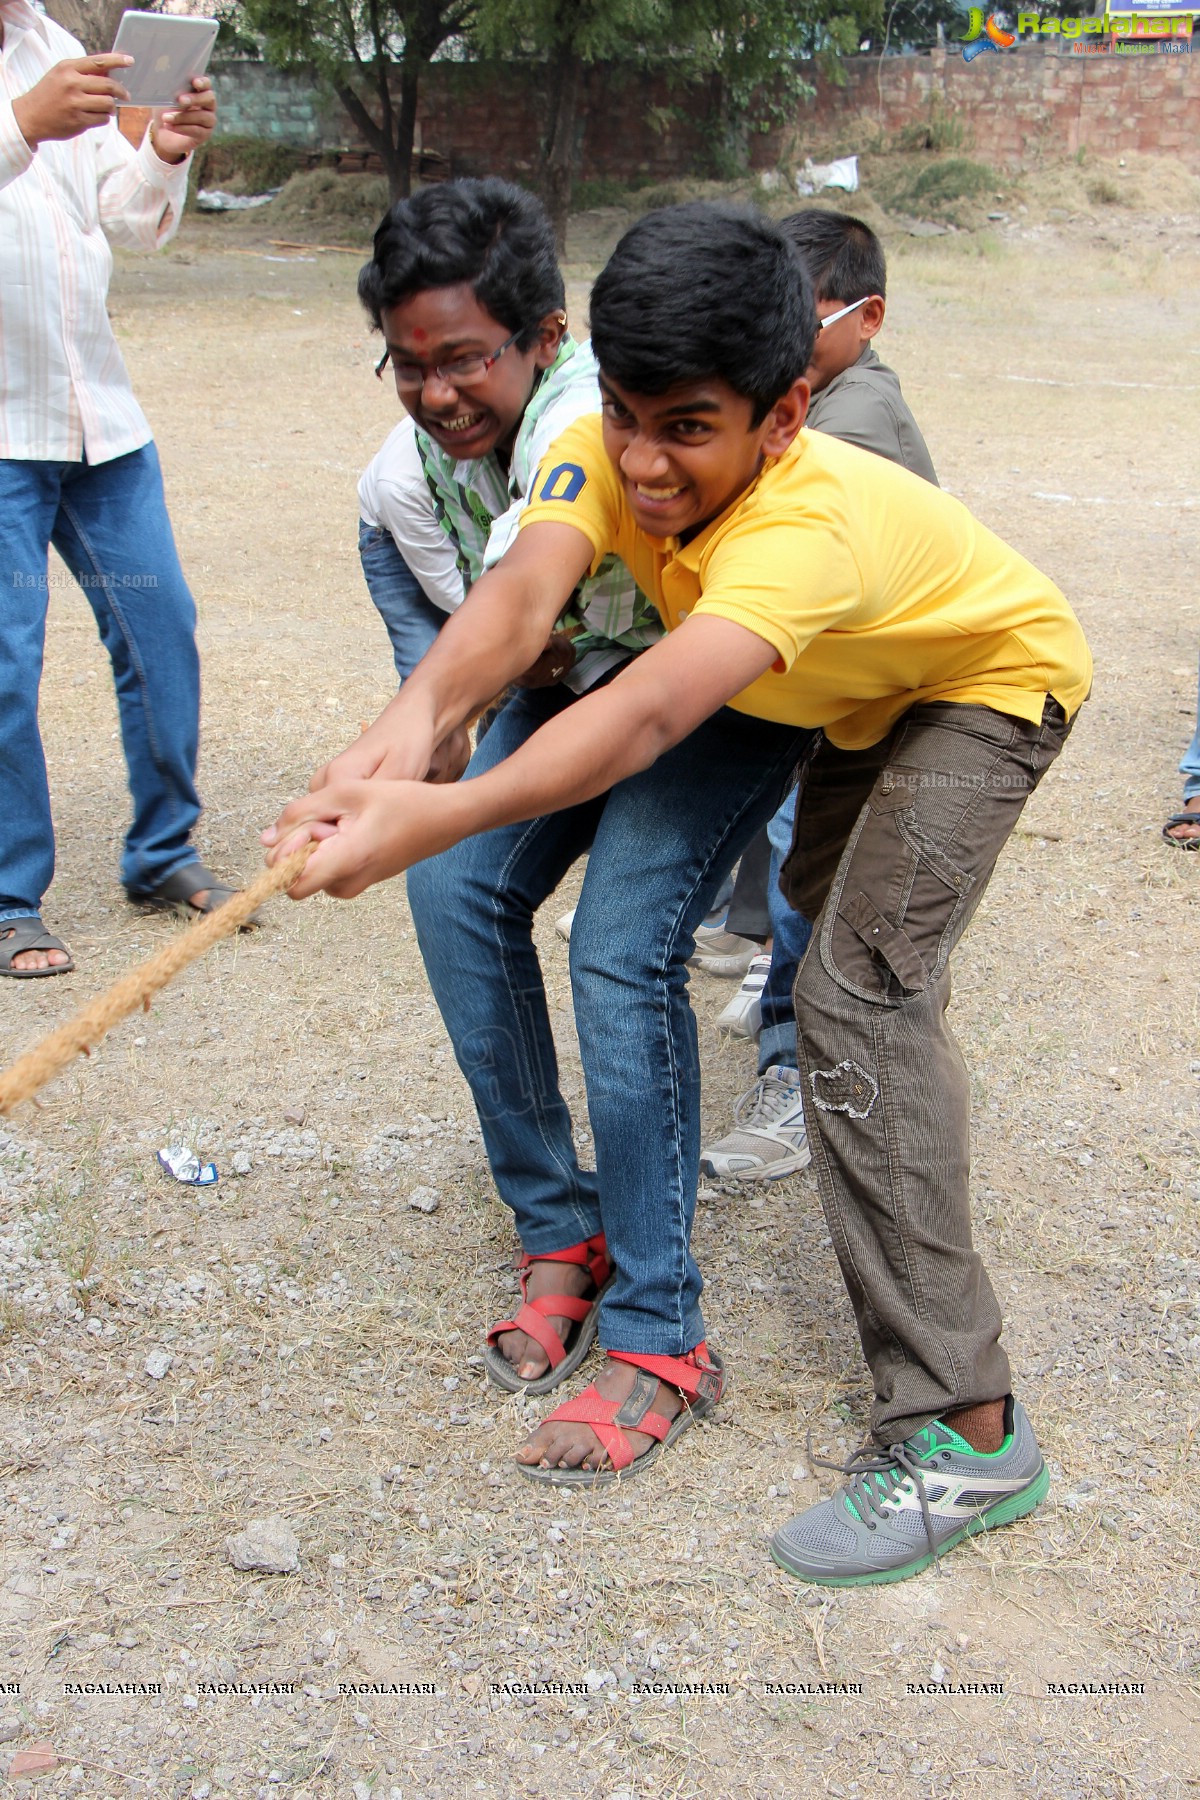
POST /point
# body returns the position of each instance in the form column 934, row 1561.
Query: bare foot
column 525, row 1353
column 1185, row 834
column 35, row 959
column 558, row 1444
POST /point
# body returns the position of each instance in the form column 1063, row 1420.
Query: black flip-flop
column 1182, row 818
column 17, row 935
column 175, row 893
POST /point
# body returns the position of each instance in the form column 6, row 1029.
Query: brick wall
column 1018, row 107
column 1015, row 108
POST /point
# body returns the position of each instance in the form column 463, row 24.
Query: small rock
column 267, row 1544
column 241, row 1164
column 295, row 1115
column 10, row 1729
column 425, row 1199
column 937, row 1671
column 157, row 1364
column 39, row 1759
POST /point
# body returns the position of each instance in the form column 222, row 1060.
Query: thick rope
column 22, row 1080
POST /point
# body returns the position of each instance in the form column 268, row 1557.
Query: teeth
column 662, row 493
column 464, row 422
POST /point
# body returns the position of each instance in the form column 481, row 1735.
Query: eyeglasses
column 464, row 371
column 834, row 317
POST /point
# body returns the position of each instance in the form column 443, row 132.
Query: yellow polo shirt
column 878, row 590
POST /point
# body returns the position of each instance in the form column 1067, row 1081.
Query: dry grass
column 322, row 1332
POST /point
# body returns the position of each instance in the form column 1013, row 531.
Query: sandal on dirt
column 1182, row 818
column 175, row 893
column 30, row 934
column 534, row 1316
column 700, row 1378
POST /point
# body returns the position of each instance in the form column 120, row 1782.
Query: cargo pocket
column 896, row 908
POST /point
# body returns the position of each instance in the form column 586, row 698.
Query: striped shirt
column 64, row 390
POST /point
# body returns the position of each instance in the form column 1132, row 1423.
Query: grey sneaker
column 723, row 953
column 768, row 1137
column 905, row 1506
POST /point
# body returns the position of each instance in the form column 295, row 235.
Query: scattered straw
column 23, row 1079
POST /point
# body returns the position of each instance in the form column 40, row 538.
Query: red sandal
column 700, row 1378
column 534, row 1316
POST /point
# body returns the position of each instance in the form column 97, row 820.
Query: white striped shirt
column 64, row 389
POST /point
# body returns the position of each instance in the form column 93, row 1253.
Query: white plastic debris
column 181, row 1161
column 217, row 200
column 841, row 173
column 269, row 1545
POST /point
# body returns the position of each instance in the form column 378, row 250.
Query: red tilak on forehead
column 419, row 336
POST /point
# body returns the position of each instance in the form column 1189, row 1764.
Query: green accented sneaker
column 905, row 1506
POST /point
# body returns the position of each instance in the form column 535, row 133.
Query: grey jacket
column 863, row 405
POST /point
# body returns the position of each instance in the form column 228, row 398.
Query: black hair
column 490, row 233
column 843, row 256
column 697, row 291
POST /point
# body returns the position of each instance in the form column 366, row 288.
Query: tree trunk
column 400, row 167
column 566, row 82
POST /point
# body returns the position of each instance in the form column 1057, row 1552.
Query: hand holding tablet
column 168, row 53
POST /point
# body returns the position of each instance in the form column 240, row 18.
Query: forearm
column 583, row 752
column 497, row 633
column 141, row 197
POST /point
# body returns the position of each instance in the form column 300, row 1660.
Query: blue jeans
column 108, row 521
column 660, row 843
column 412, row 621
column 790, row 932
column 1189, row 768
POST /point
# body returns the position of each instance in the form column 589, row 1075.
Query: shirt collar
column 19, row 18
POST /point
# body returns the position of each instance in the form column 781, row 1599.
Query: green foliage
column 245, row 165
column 942, row 130
column 1104, row 192
column 957, row 178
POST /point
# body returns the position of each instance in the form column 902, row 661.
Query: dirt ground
column 320, row 1335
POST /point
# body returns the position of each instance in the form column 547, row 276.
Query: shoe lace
column 875, row 1478
column 765, row 1102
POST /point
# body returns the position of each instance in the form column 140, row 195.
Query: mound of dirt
column 321, row 202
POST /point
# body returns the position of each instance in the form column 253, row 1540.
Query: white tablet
column 167, row 50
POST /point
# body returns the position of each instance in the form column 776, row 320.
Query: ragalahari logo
column 986, row 32
column 1168, row 30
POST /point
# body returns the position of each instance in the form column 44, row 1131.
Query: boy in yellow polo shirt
column 807, row 587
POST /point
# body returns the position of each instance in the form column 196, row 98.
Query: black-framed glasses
column 464, row 371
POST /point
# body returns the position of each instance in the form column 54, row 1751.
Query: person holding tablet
column 78, row 468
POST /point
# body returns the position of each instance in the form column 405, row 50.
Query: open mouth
column 656, row 496
column 461, row 426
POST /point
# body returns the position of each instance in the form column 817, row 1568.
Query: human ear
column 871, row 316
column 785, row 419
column 551, row 332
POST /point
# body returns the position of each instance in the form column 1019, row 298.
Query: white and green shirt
column 414, row 487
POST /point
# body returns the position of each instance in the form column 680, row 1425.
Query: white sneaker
column 742, row 1018
column 723, row 953
column 768, row 1137
column 563, row 925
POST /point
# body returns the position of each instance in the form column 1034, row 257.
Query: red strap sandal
column 534, row 1316
column 700, row 1378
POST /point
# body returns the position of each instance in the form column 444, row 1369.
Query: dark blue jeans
column 659, row 844
column 108, row 521
column 790, row 934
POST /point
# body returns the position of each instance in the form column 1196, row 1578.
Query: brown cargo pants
column 893, row 849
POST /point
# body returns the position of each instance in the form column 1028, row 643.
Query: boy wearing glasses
column 804, row 586
column 465, row 285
